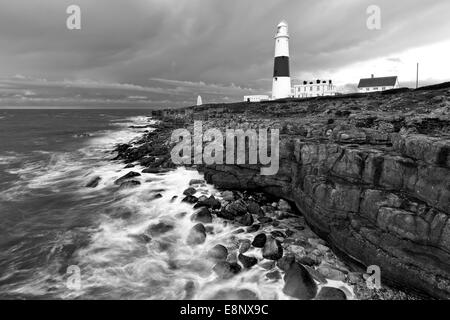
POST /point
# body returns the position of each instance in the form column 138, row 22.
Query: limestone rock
column 299, row 283
column 272, row 249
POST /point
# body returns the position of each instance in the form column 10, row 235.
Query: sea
column 62, row 240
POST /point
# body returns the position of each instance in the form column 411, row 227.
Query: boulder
column 298, row 283
column 259, row 241
column 218, row 253
column 93, row 183
column 255, row 209
column 316, row 275
column 196, row 181
column 128, row 176
column 190, row 199
column 283, row 205
column 224, row 214
column 226, row 270
column 197, row 235
column 272, row 249
column 236, row 208
column 155, row 170
column 200, row 199
column 245, row 220
column 247, row 261
column 189, row 289
column 160, row 228
column 330, row 293
column 189, row 192
column 129, row 184
column 265, row 220
column 228, row 196
column 203, row 215
column 331, row 273
column 253, row 228
column 210, row 202
column 278, row 234
column 286, row 262
column 244, row 246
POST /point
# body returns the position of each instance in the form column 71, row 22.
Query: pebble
column 244, row 246
column 272, row 249
column 259, row 241
column 189, row 192
column 247, row 261
column 218, row 253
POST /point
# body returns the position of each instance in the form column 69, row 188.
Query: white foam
column 116, row 264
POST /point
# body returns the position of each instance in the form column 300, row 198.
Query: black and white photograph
column 225, row 155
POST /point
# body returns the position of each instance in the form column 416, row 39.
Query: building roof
column 377, row 82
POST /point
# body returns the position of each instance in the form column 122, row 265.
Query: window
column 367, row 89
column 311, row 88
column 384, row 88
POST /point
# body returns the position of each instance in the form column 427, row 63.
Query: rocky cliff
column 370, row 173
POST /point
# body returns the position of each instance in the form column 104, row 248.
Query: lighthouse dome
column 282, row 29
column 283, row 23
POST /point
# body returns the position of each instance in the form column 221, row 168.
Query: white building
column 373, row 84
column 319, row 88
column 281, row 87
column 256, row 98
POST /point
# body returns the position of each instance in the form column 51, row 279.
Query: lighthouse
column 281, row 87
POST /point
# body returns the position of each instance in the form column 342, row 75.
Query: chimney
column 373, row 76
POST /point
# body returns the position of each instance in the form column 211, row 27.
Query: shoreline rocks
column 197, row 235
column 299, row 283
column 272, row 249
column 360, row 171
column 247, row 261
column 259, row 241
column 94, row 182
column 130, row 175
column 218, row 253
column 203, row 216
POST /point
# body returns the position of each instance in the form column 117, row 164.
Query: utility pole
column 417, row 76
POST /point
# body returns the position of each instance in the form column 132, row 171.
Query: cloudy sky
column 151, row 53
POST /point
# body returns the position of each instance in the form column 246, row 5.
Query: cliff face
column 371, row 175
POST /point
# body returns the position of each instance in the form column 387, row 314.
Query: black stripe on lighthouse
column 281, row 67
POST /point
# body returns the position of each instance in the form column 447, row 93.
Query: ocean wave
column 67, row 171
column 117, row 256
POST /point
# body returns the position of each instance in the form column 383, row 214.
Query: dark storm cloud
column 155, row 52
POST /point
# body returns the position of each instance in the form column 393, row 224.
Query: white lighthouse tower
column 281, row 77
